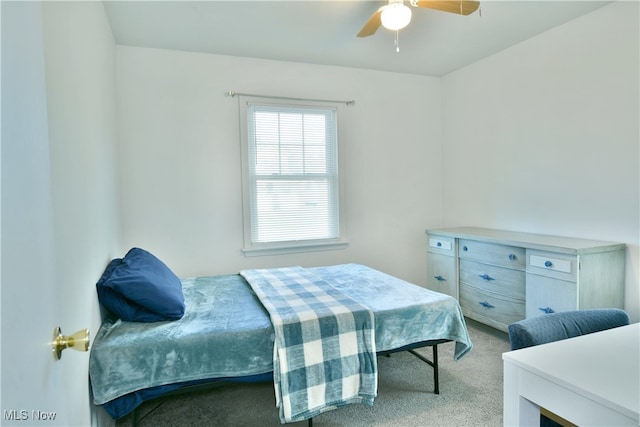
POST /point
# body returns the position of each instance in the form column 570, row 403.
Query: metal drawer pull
column 547, row 310
column 486, row 277
column 485, row 304
column 464, row 248
column 439, row 244
column 548, row 264
column 512, row 257
column 440, row 278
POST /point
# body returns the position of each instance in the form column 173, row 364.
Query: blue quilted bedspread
column 225, row 332
column 404, row 313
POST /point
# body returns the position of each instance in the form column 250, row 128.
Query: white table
column 593, row 379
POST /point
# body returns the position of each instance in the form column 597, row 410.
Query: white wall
column 81, row 106
column 180, row 159
column 543, row 137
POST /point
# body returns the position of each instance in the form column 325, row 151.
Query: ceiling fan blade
column 372, row 24
column 463, row 7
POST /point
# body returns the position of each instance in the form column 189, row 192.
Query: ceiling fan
column 396, row 15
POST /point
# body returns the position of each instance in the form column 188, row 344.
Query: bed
column 227, row 334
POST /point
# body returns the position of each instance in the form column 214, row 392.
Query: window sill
column 293, row 248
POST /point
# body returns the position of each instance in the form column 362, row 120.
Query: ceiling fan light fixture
column 395, row 16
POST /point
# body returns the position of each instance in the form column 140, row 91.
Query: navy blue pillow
column 141, row 288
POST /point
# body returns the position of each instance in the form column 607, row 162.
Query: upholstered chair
column 568, row 324
column 559, row 326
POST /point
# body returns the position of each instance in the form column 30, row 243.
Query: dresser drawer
column 502, row 281
column 548, row 295
column 441, row 244
column 499, row 308
column 554, row 265
column 490, row 253
column 442, row 277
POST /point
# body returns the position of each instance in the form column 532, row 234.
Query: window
column 291, row 188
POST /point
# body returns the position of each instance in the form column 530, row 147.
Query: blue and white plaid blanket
column 324, row 351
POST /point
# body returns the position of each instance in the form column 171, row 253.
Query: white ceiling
column 324, row 32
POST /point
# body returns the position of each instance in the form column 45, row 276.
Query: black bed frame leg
column 310, row 422
column 433, row 363
column 436, row 382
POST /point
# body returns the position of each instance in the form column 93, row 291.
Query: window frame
column 251, row 248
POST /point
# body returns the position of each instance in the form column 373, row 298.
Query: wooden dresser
column 501, row 277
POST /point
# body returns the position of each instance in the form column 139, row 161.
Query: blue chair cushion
column 141, row 288
column 568, row 324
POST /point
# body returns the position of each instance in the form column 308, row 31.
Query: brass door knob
column 78, row 341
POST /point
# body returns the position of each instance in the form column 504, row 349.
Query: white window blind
column 293, row 174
